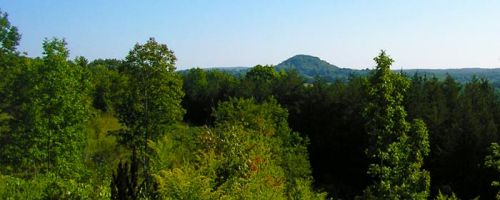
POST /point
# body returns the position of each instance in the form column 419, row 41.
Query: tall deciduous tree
column 152, row 99
column 154, row 94
column 397, row 147
column 50, row 114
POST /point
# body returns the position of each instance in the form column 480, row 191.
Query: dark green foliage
column 462, row 123
column 329, row 114
column 204, row 89
column 125, row 183
column 108, row 83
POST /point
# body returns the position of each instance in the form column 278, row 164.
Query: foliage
column 397, row 147
column 50, row 186
column 204, row 89
column 442, row 196
column 267, row 132
column 102, row 153
column 109, row 83
column 493, row 161
column 249, row 154
column 258, row 82
column 50, row 115
column 9, row 37
column 153, row 95
column 185, row 183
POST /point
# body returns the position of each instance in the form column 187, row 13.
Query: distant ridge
column 311, row 67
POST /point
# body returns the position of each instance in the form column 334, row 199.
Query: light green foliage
column 249, row 154
column 51, row 114
column 175, row 148
column 185, row 183
column 397, row 147
column 102, row 153
column 153, row 95
column 493, row 161
column 442, row 196
column 50, row 186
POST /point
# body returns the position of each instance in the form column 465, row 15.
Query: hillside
column 311, row 67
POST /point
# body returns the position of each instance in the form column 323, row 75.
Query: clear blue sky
column 207, row 33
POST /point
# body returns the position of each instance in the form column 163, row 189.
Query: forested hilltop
column 137, row 129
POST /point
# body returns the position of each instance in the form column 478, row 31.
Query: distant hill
column 311, row 67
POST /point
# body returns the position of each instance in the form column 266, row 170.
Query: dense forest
column 138, row 129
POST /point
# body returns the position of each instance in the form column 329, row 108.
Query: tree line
column 137, row 129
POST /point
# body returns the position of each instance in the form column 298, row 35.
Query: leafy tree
column 9, row 68
column 9, row 60
column 258, row 82
column 151, row 100
column 47, row 127
column 397, row 147
column 153, row 96
column 9, row 37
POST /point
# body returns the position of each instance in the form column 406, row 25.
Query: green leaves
column 51, row 114
column 249, row 154
column 9, row 37
column 493, row 161
column 397, row 147
column 153, row 95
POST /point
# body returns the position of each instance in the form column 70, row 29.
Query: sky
column 225, row 33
